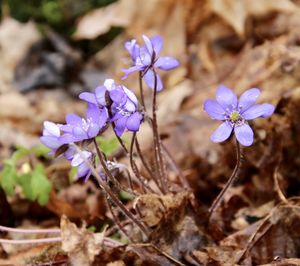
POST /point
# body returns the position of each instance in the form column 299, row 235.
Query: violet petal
column 222, row 132
column 248, row 98
column 244, row 134
column 214, row 109
column 258, row 110
column 226, row 98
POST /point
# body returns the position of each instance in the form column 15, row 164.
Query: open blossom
column 121, row 103
column 146, row 59
column 51, row 135
column 78, row 129
column 234, row 113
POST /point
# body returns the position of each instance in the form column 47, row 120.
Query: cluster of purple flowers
column 114, row 104
column 110, row 104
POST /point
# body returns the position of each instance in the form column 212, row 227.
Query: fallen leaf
column 235, row 13
column 81, row 244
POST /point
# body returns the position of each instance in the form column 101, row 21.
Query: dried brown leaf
column 81, row 244
column 235, row 13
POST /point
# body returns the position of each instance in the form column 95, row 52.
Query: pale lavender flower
column 146, row 60
column 78, row 129
column 234, row 113
column 51, row 135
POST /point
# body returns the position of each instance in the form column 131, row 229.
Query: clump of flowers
column 235, row 113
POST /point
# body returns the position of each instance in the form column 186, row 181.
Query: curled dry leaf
column 81, row 244
column 99, row 21
column 235, row 13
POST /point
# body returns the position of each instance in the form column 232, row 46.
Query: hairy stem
column 116, row 220
column 142, row 91
column 135, row 168
column 108, row 191
column 230, row 181
column 156, row 139
column 143, row 160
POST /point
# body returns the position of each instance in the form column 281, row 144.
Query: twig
column 169, row 257
column 30, row 231
column 277, row 187
column 230, row 181
column 30, row 241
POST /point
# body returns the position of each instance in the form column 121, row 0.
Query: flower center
column 234, row 116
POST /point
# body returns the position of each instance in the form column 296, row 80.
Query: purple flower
column 51, row 135
column 124, row 110
column 78, row 129
column 121, row 103
column 235, row 113
column 146, row 59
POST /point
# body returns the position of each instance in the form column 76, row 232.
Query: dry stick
column 108, row 191
column 29, row 231
column 134, row 166
column 169, row 257
column 277, row 187
column 30, row 241
column 232, row 178
column 177, row 169
column 116, row 220
column 251, row 241
column 156, row 138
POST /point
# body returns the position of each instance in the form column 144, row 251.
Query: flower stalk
column 229, row 183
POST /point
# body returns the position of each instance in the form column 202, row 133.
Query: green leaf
column 19, row 153
column 41, row 186
column 24, row 181
column 124, row 195
column 40, row 151
column 8, row 177
column 108, row 146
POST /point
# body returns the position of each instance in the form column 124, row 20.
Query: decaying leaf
column 81, row 244
column 235, row 13
column 100, row 21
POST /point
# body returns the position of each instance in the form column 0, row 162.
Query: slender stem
column 111, row 177
column 116, row 220
column 107, row 189
column 230, row 181
column 30, row 231
column 156, row 139
column 30, row 241
column 143, row 160
column 142, row 91
column 177, row 169
column 134, row 166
